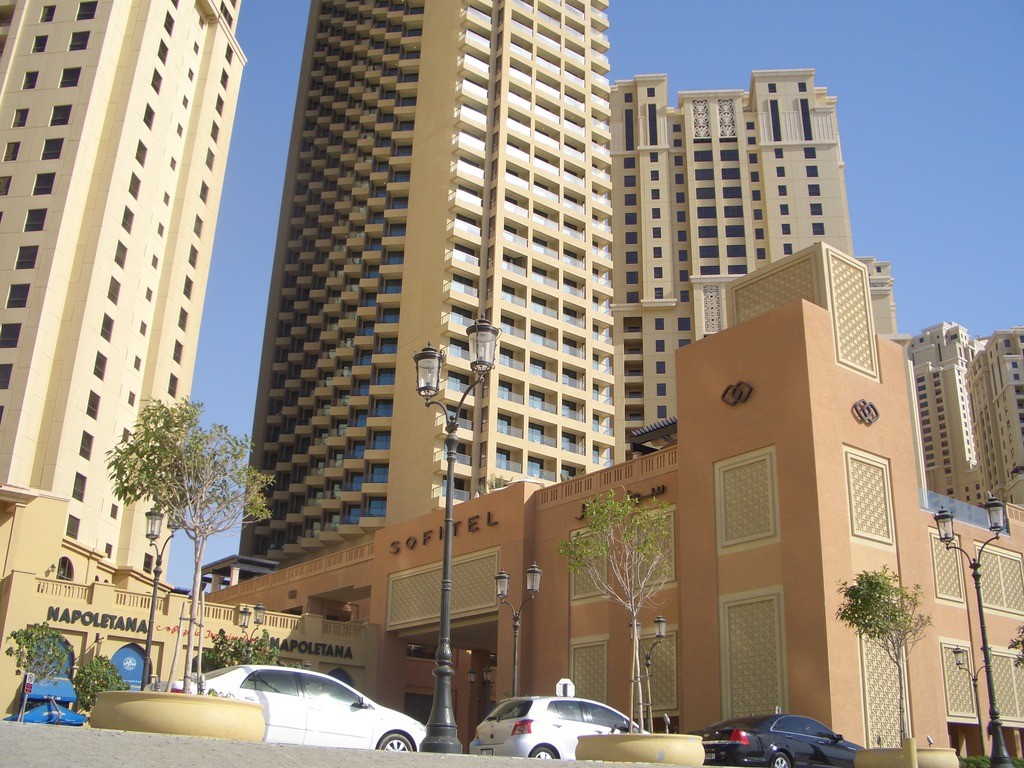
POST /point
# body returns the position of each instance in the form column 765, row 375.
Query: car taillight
column 738, row 737
column 522, row 727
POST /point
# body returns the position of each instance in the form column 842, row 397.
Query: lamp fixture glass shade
column 487, row 675
column 533, row 574
column 471, row 675
column 243, row 617
column 996, row 514
column 501, row 584
column 428, row 371
column 659, row 626
column 258, row 613
column 959, row 657
column 154, row 521
column 944, row 521
column 483, row 342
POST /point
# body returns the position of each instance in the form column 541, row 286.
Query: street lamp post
column 256, row 615
column 996, row 510
column 442, row 731
column 659, row 635
column 501, row 580
column 960, row 659
column 154, row 522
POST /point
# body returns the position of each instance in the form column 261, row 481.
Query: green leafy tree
column 200, row 478
column 878, row 607
column 40, row 650
column 622, row 550
column 94, row 677
column 228, row 650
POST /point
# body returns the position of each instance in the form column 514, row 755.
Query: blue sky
column 930, row 97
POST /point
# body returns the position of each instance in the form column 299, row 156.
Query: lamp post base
column 441, row 740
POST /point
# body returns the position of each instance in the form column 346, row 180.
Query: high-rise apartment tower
column 448, row 160
column 704, row 192
column 941, row 358
column 115, row 119
column 996, row 385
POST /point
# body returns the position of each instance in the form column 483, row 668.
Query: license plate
column 486, row 751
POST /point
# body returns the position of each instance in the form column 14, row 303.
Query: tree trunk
column 194, row 621
column 899, row 683
column 635, row 683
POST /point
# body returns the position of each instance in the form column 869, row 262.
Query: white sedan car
column 545, row 727
column 305, row 707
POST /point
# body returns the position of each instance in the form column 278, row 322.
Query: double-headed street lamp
column 244, row 616
column 501, row 579
column 442, row 735
column 960, row 659
column 659, row 634
column 154, row 522
column 996, row 510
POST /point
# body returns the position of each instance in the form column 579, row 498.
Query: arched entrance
column 128, row 663
column 340, row 674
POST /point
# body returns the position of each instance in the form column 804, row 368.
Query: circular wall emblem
column 129, row 663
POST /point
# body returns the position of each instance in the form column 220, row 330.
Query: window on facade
column 31, row 78
column 817, row 228
column 61, row 115
column 140, row 153
column 113, row 290
column 85, row 447
column 78, row 490
column 26, row 257
column 11, row 151
column 9, row 335
column 20, row 118
column 47, row 14
column 17, row 296
column 127, row 219
column 5, row 185
column 44, row 184
column 69, row 77
column 35, row 220
column 52, row 149
column 39, row 44
column 87, row 10
column 79, row 41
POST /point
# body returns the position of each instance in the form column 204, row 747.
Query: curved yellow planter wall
column 927, row 757
column 671, row 748
column 178, row 714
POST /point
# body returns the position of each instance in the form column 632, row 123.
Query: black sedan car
column 776, row 741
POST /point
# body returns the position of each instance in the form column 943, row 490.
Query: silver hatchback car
column 543, row 726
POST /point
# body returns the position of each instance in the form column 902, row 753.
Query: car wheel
column 781, row 760
column 544, row 753
column 396, row 742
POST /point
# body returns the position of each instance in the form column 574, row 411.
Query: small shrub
column 95, row 677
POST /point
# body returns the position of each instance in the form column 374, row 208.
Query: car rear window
column 510, row 709
column 273, row 681
column 566, row 710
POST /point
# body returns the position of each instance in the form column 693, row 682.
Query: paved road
column 46, row 746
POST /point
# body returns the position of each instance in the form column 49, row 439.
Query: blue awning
column 60, row 689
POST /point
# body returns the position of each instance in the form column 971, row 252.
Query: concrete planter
column 909, row 756
column 670, row 748
column 175, row 713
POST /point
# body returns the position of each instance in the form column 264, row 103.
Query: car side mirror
column 361, row 703
column 837, row 737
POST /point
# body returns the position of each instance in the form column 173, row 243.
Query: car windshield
column 510, row 709
column 217, row 673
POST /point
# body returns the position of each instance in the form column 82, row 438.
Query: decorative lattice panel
column 1002, row 581
column 753, row 666
column 416, row 598
column 589, row 665
column 881, row 696
column 664, row 680
column 726, row 118
column 581, row 583
column 959, row 690
column 712, row 308
column 1006, row 687
column 777, row 289
column 747, row 503
column 949, row 582
column 870, row 509
column 851, row 315
column 701, row 121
